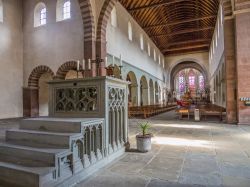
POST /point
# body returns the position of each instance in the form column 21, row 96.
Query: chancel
column 140, row 93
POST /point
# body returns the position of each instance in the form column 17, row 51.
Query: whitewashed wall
column 11, row 60
column 119, row 44
column 54, row 43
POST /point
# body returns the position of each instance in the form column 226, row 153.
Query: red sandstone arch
column 65, row 68
column 107, row 7
column 36, row 74
column 89, row 29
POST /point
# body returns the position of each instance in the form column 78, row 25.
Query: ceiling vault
column 176, row 26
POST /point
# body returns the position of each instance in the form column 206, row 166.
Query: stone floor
column 184, row 153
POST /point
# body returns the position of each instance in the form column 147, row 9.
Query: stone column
column 242, row 33
column 101, row 53
column 230, row 73
column 30, row 102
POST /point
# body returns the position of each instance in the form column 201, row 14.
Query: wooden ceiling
column 176, row 26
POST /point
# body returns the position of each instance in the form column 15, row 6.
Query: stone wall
column 11, row 59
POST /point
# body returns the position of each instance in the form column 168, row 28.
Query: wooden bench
column 150, row 110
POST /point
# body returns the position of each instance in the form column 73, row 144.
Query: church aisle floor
column 184, row 153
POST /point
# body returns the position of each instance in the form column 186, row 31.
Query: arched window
column 63, row 10
column 113, row 17
column 40, row 15
column 182, row 81
column 1, row 11
column 149, row 50
column 159, row 59
column 201, row 82
column 191, row 79
column 141, row 42
column 130, row 31
column 163, row 63
column 66, row 10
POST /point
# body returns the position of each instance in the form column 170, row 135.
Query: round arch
column 38, row 80
column 133, row 88
column 35, row 75
column 184, row 65
column 105, row 14
column 89, row 29
column 65, row 68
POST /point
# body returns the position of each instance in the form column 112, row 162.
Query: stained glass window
column 201, row 82
column 182, row 82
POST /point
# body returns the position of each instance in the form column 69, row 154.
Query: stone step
column 31, row 157
column 52, row 125
column 41, row 139
column 16, row 175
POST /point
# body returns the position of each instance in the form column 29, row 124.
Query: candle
column 89, row 64
column 113, row 61
column 106, row 61
column 78, row 65
column 120, row 60
column 83, row 64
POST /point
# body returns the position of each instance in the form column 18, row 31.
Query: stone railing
column 100, row 98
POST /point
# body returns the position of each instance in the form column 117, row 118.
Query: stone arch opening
column 68, row 71
column 189, row 80
column 157, row 94
column 89, row 29
column 144, row 91
column 187, row 65
column 37, row 93
column 133, row 89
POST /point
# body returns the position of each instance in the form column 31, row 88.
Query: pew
column 149, row 110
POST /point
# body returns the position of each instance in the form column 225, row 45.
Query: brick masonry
column 242, row 33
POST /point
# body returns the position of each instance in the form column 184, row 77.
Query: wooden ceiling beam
column 183, row 31
column 155, row 5
column 185, row 48
column 187, row 42
column 180, row 22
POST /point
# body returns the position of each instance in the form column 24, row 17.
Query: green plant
column 144, row 126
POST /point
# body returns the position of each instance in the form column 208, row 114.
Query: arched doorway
column 144, row 91
column 44, row 94
column 133, row 89
column 36, row 96
column 152, row 89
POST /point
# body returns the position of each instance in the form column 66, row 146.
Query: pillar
column 242, row 33
column 230, row 73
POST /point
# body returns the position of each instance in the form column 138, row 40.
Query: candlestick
column 83, row 64
column 89, row 64
column 106, row 61
column 113, row 61
column 78, row 65
column 121, row 60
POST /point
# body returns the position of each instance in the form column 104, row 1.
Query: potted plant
column 143, row 140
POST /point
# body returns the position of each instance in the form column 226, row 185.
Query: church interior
column 140, row 93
